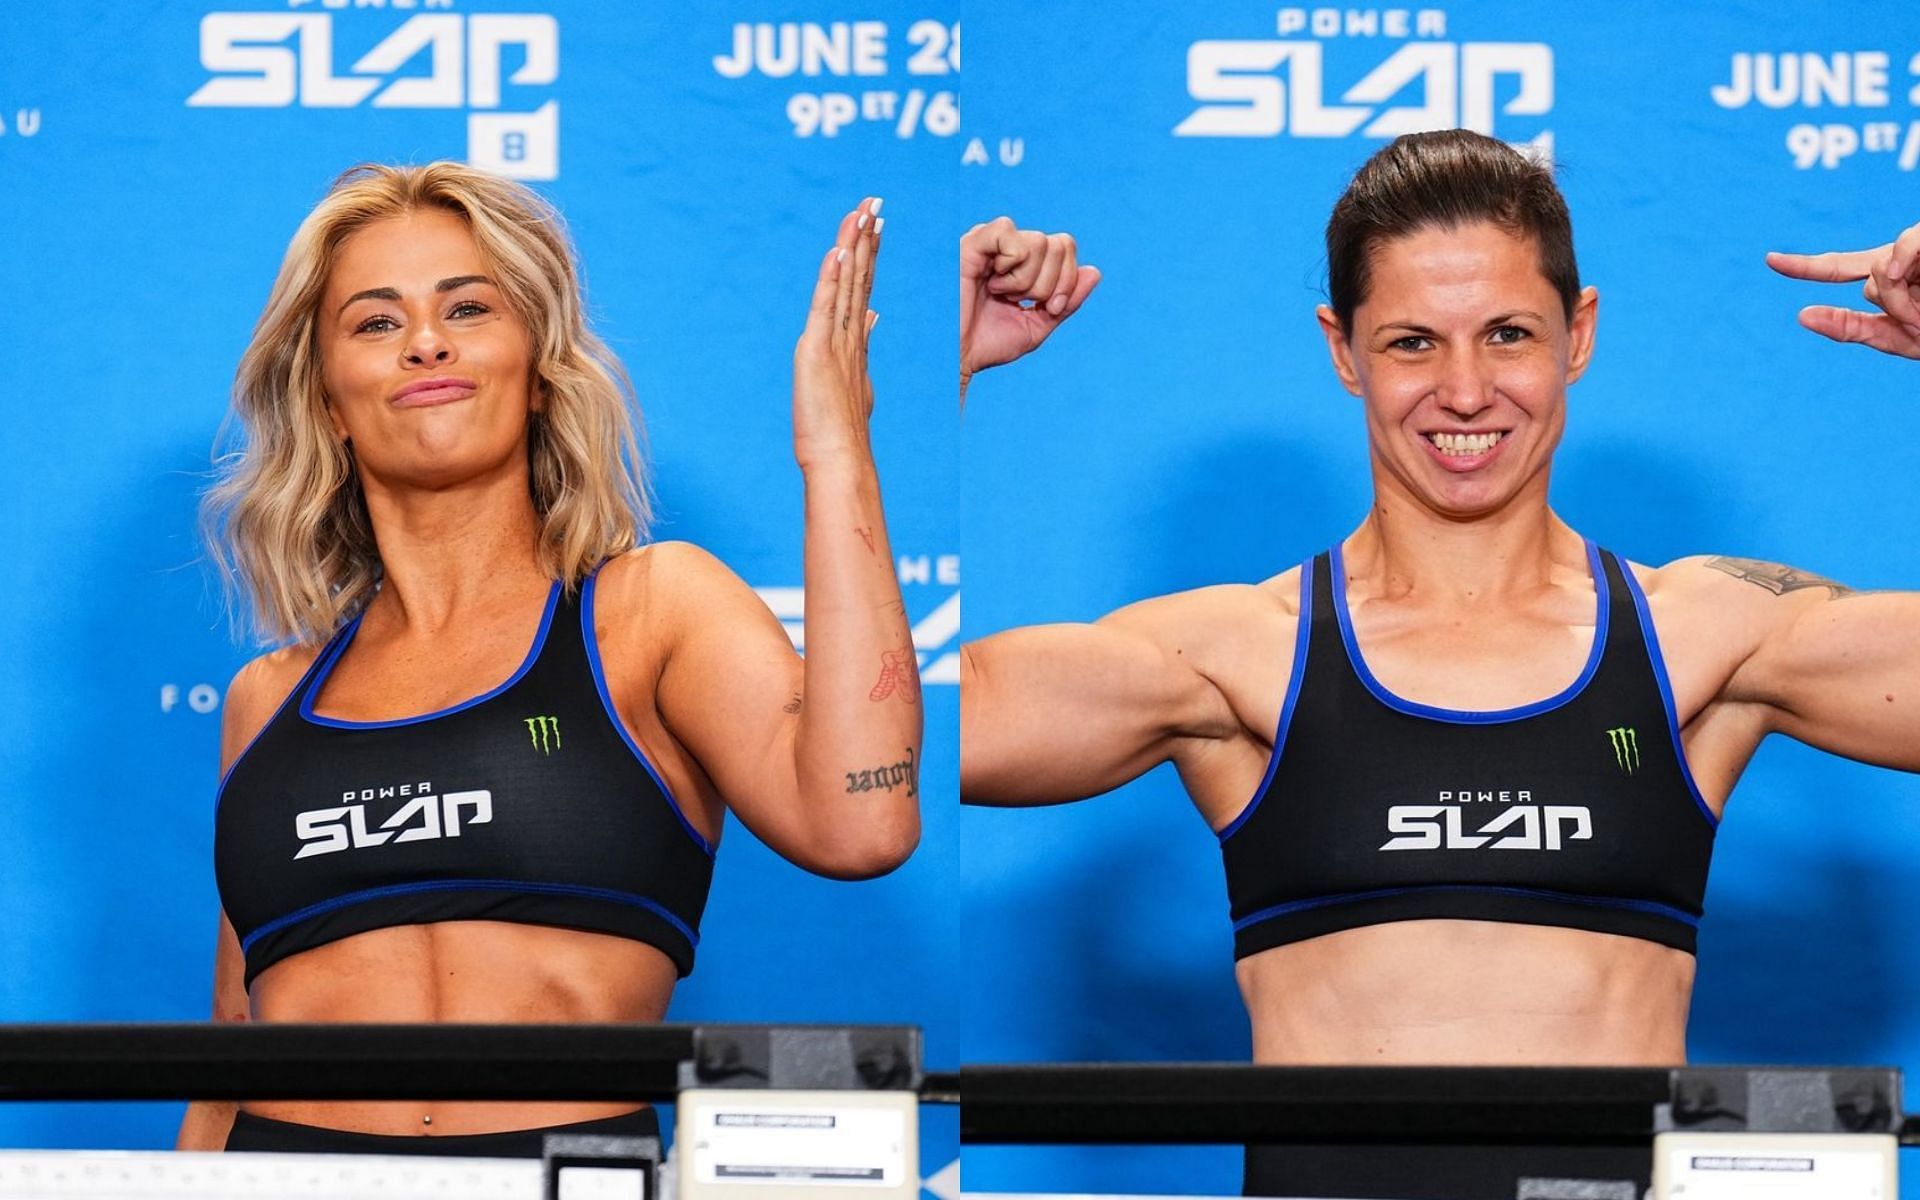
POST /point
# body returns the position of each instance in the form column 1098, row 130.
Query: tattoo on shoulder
column 902, row 774
column 1776, row 577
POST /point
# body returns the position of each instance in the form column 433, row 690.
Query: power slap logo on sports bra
column 1520, row 824
column 419, row 815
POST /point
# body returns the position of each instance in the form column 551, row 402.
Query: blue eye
column 1518, row 333
column 368, row 325
column 1410, row 342
column 460, row 309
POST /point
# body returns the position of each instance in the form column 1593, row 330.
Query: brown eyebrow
column 1492, row 323
column 386, row 293
column 1505, row 318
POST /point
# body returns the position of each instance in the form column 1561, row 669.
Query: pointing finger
column 1832, row 267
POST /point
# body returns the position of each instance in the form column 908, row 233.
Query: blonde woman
column 484, row 780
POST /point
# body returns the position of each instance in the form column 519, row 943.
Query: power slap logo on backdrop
column 1850, row 106
column 395, row 54
column 1368, row 72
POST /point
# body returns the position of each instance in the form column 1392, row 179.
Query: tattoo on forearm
column 899, row 675
column 793, row 705
column 1777, row 578
column 866, row 535
column 905, row 773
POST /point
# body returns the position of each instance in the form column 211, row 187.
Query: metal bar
column 1222, row 1103
column 368, row 1062
column 940, row 1088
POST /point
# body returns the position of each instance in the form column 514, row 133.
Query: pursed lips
column 423, row 393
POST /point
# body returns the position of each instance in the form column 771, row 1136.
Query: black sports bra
column 530, row 803
column 1576, row 811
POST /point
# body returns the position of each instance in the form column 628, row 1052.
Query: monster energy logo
column 545, row 732
column 1626, row 748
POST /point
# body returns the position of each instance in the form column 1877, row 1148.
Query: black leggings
column 1409, row 1172
column 265, row 1135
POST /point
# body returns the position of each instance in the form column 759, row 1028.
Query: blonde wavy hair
column 286, row 522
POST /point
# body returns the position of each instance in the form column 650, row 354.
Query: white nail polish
column 839, row 256
column 879, row 223
column 874, row 208
column 862, row 222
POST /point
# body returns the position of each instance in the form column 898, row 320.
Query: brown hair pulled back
column 1447, row 179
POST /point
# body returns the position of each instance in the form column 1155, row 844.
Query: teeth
column 1461, row 445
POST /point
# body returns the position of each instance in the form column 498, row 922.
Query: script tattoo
column 793, row 705
column 866, row 535
column 1775, row 577
column 899, row 673
column 905, row 773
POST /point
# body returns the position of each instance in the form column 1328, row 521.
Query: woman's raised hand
column 1892, row 274
column 1016, row 287
column 832, row 393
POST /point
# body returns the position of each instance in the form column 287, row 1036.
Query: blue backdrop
column 1185, row 429
column 154, row 160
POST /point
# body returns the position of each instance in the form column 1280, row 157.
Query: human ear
column 1581, row 331
column 1338, row 347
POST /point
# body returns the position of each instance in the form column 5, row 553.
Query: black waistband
column 264, row 1135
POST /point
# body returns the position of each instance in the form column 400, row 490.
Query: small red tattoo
column 899, row 672
column 867, row 535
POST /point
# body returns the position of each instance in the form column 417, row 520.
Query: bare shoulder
column 664, row 577
column 1234, row 633
column 667, row 595
column 1722, row 608
column 1725, row 579
column 1216, row 607
column 256, row 692
column 665, row 565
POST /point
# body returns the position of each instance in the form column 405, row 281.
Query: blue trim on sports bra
column 613, row 714
column 313, row 691
column 1652, row 640
column 220, row 792
column 464, row 885
column 1645, row 906
column 1300, row 640
column 1459, row 716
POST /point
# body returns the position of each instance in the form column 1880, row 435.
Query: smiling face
column 1463, row 354
column 426, row 368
